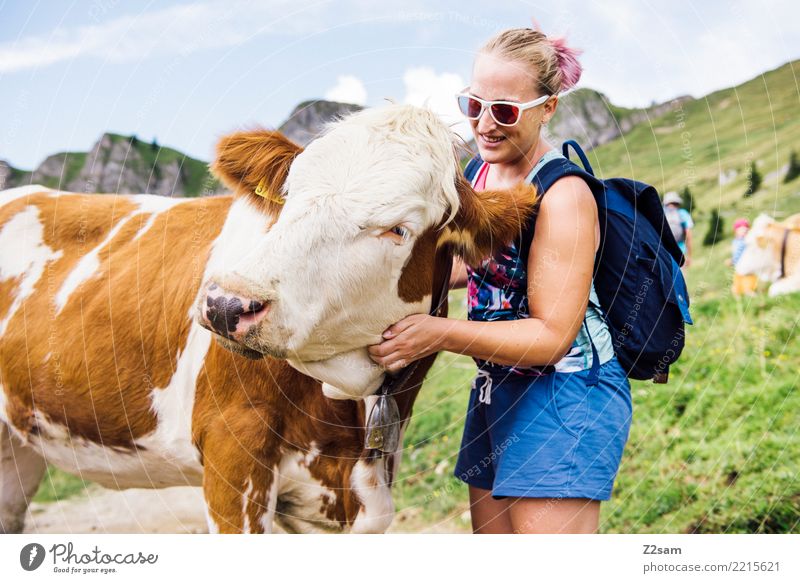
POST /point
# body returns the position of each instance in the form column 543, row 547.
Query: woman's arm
column 560, row 268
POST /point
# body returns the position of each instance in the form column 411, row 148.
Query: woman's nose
column 485, row 122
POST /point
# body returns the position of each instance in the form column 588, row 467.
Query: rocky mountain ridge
column 125, row 164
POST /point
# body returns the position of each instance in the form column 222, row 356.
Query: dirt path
column 170, row 510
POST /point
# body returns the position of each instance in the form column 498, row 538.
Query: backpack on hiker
column 637, row 272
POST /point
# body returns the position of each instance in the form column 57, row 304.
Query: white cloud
column 184, row 29
column 175, row 30
column 348, row 89
column 424, row 87
column 637, row 52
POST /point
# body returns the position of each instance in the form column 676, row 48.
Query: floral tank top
column 498, row 290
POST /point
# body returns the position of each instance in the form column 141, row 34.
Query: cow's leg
column 21, row 471
column 370, row 481
column 239, row 473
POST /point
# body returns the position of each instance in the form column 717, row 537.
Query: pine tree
column 716, row 228
column 753, row 180
column 688, row 200
column 794, row 167
column 154, row 145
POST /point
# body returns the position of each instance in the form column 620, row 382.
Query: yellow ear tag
column 262, row 191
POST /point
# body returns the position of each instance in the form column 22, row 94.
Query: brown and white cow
column 772, row 253
column 108, row 367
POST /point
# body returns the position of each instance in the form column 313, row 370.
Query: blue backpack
column 637, row 274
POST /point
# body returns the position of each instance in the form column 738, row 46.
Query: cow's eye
column 398, row 234
column 401, row 232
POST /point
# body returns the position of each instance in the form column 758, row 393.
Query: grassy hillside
column 720, row 134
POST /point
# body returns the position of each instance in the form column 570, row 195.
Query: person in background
column 680, row 223
column 742, row 284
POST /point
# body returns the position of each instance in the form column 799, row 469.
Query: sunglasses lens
column 469, row 107
column 505, row 114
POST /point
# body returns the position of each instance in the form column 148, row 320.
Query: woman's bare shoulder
column 568, row 197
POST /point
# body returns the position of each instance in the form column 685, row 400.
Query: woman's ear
column 489, row 219
column 255, row 163
column 550, row 108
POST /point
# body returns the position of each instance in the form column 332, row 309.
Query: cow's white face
column 761, row 256
column 357, row 203
column 353, row 248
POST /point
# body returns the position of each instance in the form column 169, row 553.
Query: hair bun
column 567, row 62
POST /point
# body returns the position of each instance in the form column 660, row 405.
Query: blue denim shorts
column 553, row 436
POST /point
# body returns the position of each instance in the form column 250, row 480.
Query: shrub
column 754, row 180
column 716, row 229
column 794, row 168
column 688, row 200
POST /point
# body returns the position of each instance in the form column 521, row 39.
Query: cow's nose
column 230, row 314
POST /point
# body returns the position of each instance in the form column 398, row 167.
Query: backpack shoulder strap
column 544, row 179
column 579, row 151
column 559, row 168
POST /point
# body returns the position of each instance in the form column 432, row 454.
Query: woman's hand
column 410, row 339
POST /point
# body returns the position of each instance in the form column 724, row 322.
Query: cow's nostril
column 223, row 313
column 228, row 313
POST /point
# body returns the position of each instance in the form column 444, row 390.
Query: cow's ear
column 489, row 219
column 255, row 163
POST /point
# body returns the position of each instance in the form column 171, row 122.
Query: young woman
column 543, row 436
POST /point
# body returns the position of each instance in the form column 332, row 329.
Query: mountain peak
column 308, row 119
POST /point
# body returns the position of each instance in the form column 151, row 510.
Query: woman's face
column 496, row 78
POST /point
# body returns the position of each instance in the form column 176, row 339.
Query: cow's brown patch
column 120, row 332
column 237, row 468
column 417, row 275
column 231, row 388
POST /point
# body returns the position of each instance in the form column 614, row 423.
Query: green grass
column 716, row 449
column 57, row 485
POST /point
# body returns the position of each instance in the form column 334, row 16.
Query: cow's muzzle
column 230, row 314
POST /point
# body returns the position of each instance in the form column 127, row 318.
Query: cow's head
column 361, row 219
column 762, row 254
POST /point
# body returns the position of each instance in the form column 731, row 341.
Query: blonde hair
column 555, row 64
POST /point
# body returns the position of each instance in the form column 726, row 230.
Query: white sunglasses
column 505, row 113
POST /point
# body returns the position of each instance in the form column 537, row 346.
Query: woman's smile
column 490, row 140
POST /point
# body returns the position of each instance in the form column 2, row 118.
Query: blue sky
column 186, row 73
